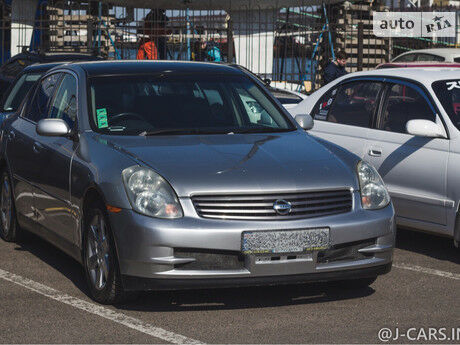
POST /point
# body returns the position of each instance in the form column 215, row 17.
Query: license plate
column 285, row 241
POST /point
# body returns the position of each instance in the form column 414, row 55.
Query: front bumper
column 135, row 283
column 198, row 252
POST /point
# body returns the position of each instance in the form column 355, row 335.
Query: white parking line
column 99, row 310
column 427, row 270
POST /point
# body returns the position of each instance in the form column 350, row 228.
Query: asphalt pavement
column 44, row 299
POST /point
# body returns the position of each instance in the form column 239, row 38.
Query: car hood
column 239, row 163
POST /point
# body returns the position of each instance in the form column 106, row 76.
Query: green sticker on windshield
column 102, row 121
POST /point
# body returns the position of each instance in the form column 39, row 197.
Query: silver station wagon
column 167, row 175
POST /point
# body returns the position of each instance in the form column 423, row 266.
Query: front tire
column 9, row 229
column 99, row 257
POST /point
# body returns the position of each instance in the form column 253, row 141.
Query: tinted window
column 321, row 109
column 428, row 57
column 448, row 93
column 404, row 103
column 19, row 91
column 131, row 105
column 64, row 104
column 39, row 107
column 405, row 58
column 355, row 103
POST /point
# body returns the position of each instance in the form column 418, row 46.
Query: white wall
column 22, row 23
column 253, row 35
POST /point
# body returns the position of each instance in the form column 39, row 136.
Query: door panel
column 352, row 138
column 52, row 192
column 413, row 168
column 23, row 163
column 22, row 158
column 414, row 171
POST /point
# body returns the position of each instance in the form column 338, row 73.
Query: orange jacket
column 147, row 51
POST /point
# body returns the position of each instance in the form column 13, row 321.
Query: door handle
column 37, row 147
column 375, row 152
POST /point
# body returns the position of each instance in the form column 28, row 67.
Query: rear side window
column 404, row 103
column 355, row 103
column 19, row 91
column 429, row 57
column 405, row 58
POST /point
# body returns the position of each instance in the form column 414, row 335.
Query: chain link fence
column 289, row 45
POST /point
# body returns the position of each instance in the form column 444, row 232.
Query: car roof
column 420, row 64
column 423, row 75
column 100, row 68
column 54, row 56
column 438, row 51
column 42, row 67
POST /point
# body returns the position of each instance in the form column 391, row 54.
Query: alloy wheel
column 97, row 252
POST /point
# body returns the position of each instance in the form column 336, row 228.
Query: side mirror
column 424, row 128
column 52, row 128
column 305, row 121
column 267, row 81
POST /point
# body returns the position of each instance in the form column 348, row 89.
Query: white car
column 406, row 122
column 434, row 54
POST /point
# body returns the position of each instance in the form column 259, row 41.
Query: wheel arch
column 93, row 194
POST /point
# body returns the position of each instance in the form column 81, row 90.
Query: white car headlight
column 150, row 194
column 374, row 194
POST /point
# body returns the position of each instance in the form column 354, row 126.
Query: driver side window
column 404, row 103
column 38, row 108
column 64, row 104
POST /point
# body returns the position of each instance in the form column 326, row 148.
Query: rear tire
column 9, row 229
column 99, row 257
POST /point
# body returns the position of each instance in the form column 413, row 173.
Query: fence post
column 230, row 47
column 360, row 46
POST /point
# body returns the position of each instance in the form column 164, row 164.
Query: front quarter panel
column 96, row 164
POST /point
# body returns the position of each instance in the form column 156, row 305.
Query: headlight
column 150, row 194
column 374, row 194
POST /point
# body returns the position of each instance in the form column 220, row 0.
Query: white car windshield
column 448, row 93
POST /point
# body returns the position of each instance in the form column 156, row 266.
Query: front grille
column 260, row 206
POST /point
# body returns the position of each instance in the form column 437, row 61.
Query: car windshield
column 186, row 104
column 19, row 91
column 448, row 93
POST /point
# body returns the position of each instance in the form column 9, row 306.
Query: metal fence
column 288, row 45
